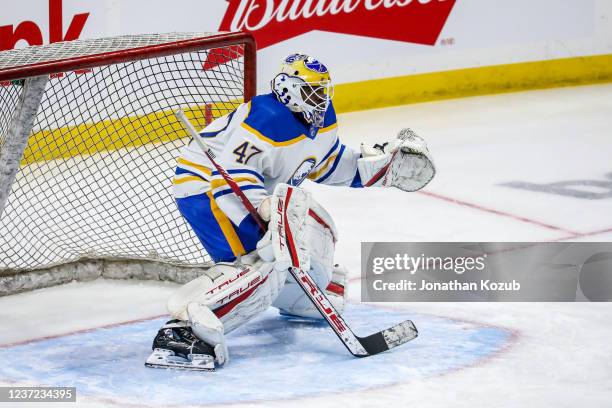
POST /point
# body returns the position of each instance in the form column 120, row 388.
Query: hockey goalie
column 274, row 141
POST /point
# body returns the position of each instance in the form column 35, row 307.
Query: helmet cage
column 311, row 99
column 316, row 97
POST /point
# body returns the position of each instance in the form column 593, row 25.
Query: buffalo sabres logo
column 314, row 65
column 311, row 63
column 302, row 171
column 295, row 57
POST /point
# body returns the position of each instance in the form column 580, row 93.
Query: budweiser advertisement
column 275, row 21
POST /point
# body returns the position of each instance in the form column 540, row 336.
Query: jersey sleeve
column 338, row 167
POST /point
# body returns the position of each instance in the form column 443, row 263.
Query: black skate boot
column 175, row 346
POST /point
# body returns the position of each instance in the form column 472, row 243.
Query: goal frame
column 34, row 77
column 153, row 51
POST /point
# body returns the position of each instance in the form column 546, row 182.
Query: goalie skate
column 175, row 346
column 163, row 358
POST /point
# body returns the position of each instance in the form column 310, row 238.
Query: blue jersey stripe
column 333, row 149
column 180, row 170
column 238, row 171
column 243, row 188
column 331, row 171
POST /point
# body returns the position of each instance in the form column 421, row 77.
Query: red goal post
column 87, row 150
column 11, row 69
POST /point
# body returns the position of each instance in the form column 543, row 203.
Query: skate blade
column 179, row 367
column 161, row 358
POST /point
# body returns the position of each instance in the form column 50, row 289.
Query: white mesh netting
column 96, row 177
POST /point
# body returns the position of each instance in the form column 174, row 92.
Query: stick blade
column 387, row 339
column 400, row 334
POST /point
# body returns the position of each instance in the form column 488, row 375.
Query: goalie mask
column 304, row 86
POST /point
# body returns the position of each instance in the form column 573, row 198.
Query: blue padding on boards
column 272, row 357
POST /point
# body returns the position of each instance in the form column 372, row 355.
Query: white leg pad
column 194, row 290
column 207, row 326
column 313, row 235
column 292, row 299
column 233, row 293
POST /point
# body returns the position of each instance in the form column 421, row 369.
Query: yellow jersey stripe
column 203, row 169
column 181, row 180
column 316, row 174
column 221, row 182
column 255, row 132
column 328, row 128
column 226, row 227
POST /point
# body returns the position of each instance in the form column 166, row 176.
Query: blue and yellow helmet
column 304, row 85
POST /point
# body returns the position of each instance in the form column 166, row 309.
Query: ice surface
column 560, row 356
column 271, row 358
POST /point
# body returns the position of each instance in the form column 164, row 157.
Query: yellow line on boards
column 160, row 127
column 433, row 86
column 114, row 134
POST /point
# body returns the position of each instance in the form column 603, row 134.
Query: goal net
column 88, row 143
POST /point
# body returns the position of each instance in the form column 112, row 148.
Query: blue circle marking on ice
column 272, row 357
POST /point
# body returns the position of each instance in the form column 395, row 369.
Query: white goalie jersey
column 261, row 144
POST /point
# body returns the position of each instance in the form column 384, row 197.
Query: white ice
column 562, row 355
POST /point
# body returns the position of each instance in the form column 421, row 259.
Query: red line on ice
column 582, row 235
column 496, row 212
column 88, row 330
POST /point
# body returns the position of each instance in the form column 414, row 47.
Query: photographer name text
column 450, row 286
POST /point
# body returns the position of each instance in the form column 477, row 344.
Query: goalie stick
column 211, row 156
column 357, row 346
